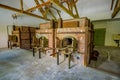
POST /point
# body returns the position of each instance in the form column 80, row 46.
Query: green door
column 99, row 37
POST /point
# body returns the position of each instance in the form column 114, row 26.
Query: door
column 99, row 37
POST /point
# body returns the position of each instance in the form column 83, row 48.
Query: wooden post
column 69, row 59
column 40, row 53
column 52, row 22
column 33, row 52
column 60, row 23
column 8, row 36
column 54, row 33
column 58, row 57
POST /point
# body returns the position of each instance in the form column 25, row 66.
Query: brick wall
column 76, row 28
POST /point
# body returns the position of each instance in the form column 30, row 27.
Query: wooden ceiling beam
column 33, row 8
column 116, row 9
column 38, row 6
column 21, row 3
column 58, row 11
column 115, row 12
column 24, row 12
column 52, row 14
column 77, row 14
column 63, row 8
column 116, row 4
column 48, row 10
column 75, row 7
column 112, row 4
column 40, row 9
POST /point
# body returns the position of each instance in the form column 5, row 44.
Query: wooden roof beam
column 112, row 4
column 18, row 10
column 33, row 8
column 21, row 3
column 40, row 9
column 38, row 6
column 58, row 11
column 74, row 3
column 63, row 8
column 116, row 9
column 116, row 4
column 52, row 14
column 77, row 14
column 48, row 9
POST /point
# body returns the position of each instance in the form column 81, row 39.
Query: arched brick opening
column 70, row 41
column 43, row 41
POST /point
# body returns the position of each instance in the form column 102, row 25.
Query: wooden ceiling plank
column 24, row 12
column 62, row 7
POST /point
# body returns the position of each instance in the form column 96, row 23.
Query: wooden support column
column 58, row 57
column 60, row 23
column 33, row 52
column 69, row 59
column 53, row 37
column 40, row 51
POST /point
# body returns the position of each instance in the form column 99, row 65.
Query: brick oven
column 46, row 31
column 77, row 33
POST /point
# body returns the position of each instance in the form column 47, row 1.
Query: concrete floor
column 109, row 59
column 19, row 64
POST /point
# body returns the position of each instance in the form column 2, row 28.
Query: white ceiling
column 93, row 9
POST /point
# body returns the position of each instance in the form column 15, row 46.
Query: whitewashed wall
column 6, row 19
column 112, row 27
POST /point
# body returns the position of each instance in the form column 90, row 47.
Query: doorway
column 99, row 37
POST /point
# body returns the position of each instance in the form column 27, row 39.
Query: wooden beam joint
column 18, row 10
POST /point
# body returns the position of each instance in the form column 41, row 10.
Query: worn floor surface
column 19, row 64
column 109, row 59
